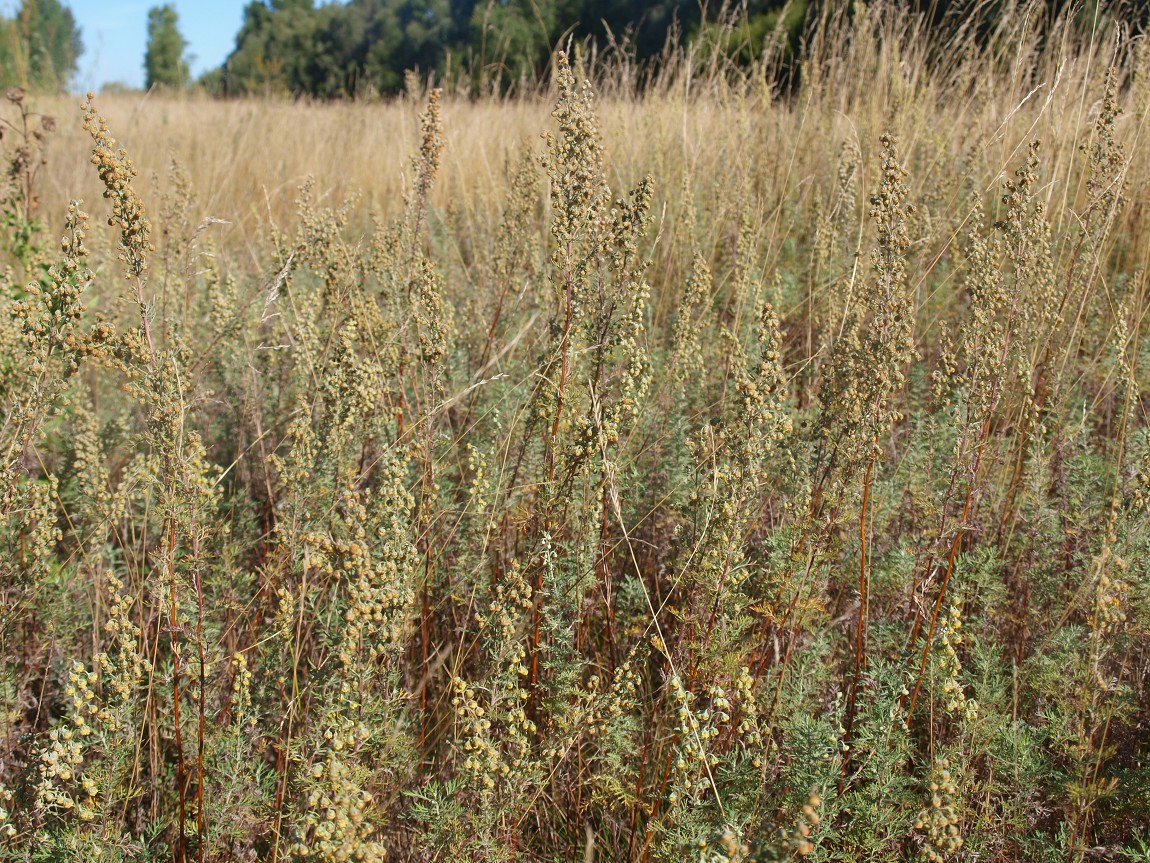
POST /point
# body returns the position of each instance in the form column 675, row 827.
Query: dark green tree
column 358, row 47
column 276, row 51
column 164, row 62
column 402, row 35
column 336, row 50
column 748, row 31
column 642, row 26
column 39, row 46
column 512, row 39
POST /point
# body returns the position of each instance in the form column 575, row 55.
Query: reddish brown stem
column 201, row 824
column 938, row 602
column 861, row 633
column 173, row 624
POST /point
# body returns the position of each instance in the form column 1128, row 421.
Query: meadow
column 705, row 464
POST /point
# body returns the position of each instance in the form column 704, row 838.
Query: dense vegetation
column 795, row 502
column 366, row 46
column 164, row 62
column 39, row 45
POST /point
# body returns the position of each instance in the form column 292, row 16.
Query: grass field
column 736, row 472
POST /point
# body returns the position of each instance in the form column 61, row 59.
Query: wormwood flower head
column 241, row 689
column 686, row 346
column 431, row 316
column 1108, row 614
column 870, row 360
column 336, row 825
column 939, row 822
column 574, row 163
column 950, row 637
column 806, row 822
column 482, row 757
column 762, row 390
column 1035, row 291
column 1106, row 179
column 370, row 549
column 117, row 173
column 52, row 314
column 431, row 146
column 60, row 787
column 122, row 662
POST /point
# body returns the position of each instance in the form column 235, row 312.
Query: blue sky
column 115, row 34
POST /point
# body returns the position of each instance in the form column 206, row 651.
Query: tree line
column 366, row 46
column 355, row 48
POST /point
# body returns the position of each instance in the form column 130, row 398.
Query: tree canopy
column 164, row 62
column 39, row 46
column 357, row 47
column 366, row 46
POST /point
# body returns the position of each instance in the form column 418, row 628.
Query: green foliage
column 365, row 46
column 39, row 46
column 164, row 62
column 753, row 29
column 594, row 524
